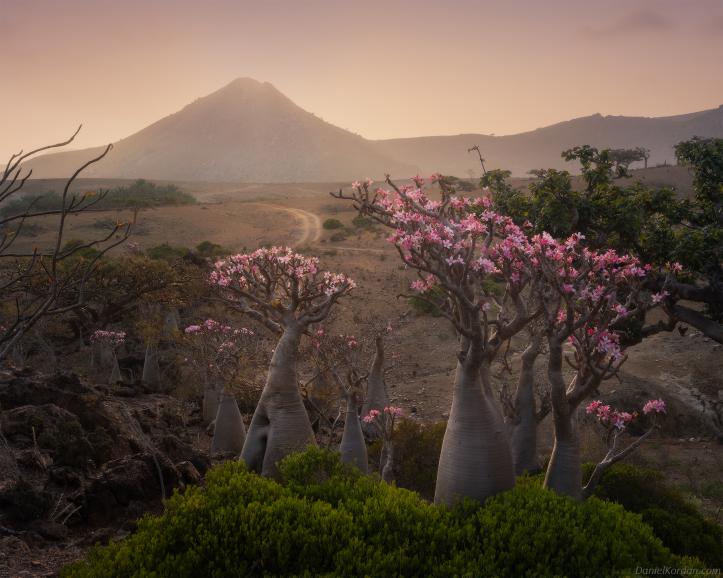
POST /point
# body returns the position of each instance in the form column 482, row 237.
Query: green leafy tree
column 654, row 224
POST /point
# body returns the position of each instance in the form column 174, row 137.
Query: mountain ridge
column 248, row 131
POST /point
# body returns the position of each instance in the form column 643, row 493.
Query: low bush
column 362, row 222
column 331, row 224
column 328, row 519
column 416, row 455
column 166, row 252
column 140, row 194
column 678, row 523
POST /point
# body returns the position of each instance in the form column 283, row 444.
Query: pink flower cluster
column 619, row 420
column 654, row 406
column 390, row 410
column 371, row 416
column 211, row 326
column 110, row 338
column 610, row 417
column 278, row 272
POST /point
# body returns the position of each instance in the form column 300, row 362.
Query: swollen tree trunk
column 229, row 432
column 564, row 472
column 280, row 425
column 376, row 397
column 171, row 324
column 476, row 459
column 115, row 374
column 151, row 369
column 353, row 447
column 387, row 465
column 210, row 403
column 524, row 421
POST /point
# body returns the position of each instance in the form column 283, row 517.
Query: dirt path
column 309, row 222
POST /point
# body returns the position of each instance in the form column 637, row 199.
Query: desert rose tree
column 285, row 292
column 615, row 423
column 339, row 356
column 216, row 351
column 586, row 295
column 458, row 247
column 376, row 396
column 383, row 421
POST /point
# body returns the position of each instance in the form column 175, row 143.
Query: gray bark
column 611, row 458
column 280, row 425
column 564, row 472
column 115, row 374
column 524, row 422
column 151, row 369
column 210, row 404
column 387, row 467
column 376, row 396
column 353, row 447
column 229, row 432
column 476, row 459
column 171, row 324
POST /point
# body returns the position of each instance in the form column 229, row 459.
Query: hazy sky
column 379, row 68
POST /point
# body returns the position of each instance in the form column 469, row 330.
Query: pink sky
column 379, row 68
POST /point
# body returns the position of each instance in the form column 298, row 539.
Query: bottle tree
column 285, row 292
column 463, row 251
column 585, row 294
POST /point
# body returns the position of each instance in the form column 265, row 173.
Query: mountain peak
column 246, row 85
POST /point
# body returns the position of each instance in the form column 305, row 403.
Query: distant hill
column 541, row 148
column 249, row 132
column 245, row 132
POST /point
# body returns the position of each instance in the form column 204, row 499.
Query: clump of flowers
column 615, row 423
column 215, row 350
column 619, row 420
column 654, row 406
column 112, row 339
column 384, row 421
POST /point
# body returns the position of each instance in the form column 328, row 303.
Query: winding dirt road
column 309, row 223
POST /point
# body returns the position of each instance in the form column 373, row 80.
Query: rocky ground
column 79, row 463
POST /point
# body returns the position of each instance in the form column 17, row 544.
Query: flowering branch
column 615, row 424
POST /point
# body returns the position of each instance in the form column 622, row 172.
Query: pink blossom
column 654, row 406
column 371, row 416
column 659, row 297
column 110, row 338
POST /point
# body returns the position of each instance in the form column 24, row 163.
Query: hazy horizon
column 383, row 70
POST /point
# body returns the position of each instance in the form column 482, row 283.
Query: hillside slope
column 247, row 131
column 541, row 148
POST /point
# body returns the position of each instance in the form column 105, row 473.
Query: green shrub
column 679, row 524
column 329, row 519
column 416, row 455
column 330, row 224
column 166, row 252
column 362, row 222
column 140, row 194
column 210, row 249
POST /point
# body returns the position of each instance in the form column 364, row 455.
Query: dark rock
column 50, row 530
column 65, row 476
column 131, row 478
column 188, row 472
column 24, row 419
